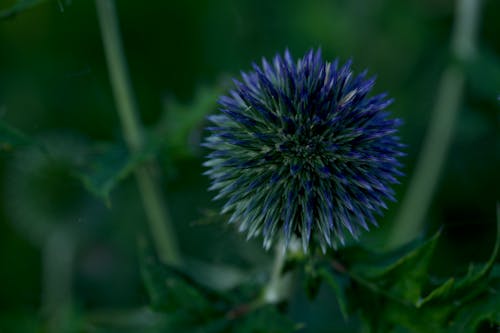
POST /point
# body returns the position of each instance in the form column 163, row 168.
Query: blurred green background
column 54, row 86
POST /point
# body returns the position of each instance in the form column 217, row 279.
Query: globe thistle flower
column 300, row 148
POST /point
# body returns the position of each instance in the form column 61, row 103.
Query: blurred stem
column 410, row 219
column 152, row 198
column 278, row 287
column 58, row 258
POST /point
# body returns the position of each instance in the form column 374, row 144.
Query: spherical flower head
column 299, row 147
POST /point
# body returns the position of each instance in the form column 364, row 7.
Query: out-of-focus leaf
column 146, row 321
column 266, row 320
column 484, row 74
column 11, row 138
column 179, row 120
column 184, row 322
column 18, row 7
column 110, row 165
column 141, row 320
column 19, row 322
column 65, row 318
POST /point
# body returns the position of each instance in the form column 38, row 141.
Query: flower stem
column 156, row 211
column 279, row 285
column 416, row 203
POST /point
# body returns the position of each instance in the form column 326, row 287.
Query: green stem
column 415, row 205
column 156, row 211
column 58, row 259
column 279, row 285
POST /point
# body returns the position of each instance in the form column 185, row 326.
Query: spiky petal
column 299, row 147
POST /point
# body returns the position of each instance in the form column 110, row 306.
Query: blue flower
column 299, row 147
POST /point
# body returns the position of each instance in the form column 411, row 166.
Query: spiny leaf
column 473, row 282
column 479, row 274
column 403, row 277
column 395, row 278
column 456, row 305
column 484, row 309
column 442, row 291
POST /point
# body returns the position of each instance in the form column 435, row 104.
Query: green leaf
column 474, row 282
column 169, row 289
column 140, row 320
column 144, row 320
column 382, row 285
column 179, row 120
column 266, row 319
column 11, row 138
column 483, row 309
column 338, row 285
column 484, row 74
column 455, row 305
column 20, row 322
column 18, row 7
column 442, row 291
column 185, row 322
column 188, row 307
column 403, row 277
column 312, row 281
column 110, row 165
